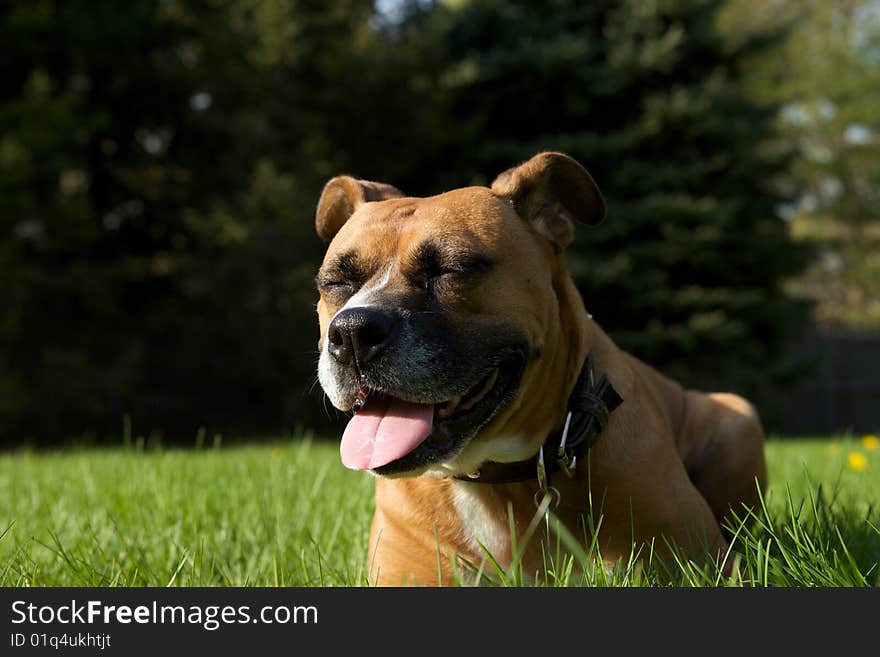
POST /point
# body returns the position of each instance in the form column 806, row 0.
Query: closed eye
column 435, row 276
column 444, row 271
column 474, row 264
column 431, row 261
column 332, row 283
column 345, row 270
column 471, row 265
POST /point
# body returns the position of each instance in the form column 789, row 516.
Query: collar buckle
column 566, row 459
column 544, row 487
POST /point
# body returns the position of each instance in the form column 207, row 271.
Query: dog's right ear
column 341, row 197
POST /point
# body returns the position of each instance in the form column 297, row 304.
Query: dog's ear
column 551, row 191
column 341, row 197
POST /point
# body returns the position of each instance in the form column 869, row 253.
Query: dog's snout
column 360, row 334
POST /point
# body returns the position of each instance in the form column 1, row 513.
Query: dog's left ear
column 551, row 191
column 341, row 197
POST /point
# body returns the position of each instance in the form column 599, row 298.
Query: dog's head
column 440, row 316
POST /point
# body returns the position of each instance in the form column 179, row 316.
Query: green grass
column 291, row 515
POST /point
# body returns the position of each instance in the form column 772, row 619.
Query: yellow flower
column 870, row 442
column 276, row 453
column 857, row 461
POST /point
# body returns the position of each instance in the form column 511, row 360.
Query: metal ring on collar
column 552, row 491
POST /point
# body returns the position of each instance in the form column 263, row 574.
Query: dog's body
column 451, row 323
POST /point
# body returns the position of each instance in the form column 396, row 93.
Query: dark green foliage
column 686, row 271
column 148, row 271
column 159, row 166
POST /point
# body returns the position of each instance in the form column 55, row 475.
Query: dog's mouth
column 391, row 435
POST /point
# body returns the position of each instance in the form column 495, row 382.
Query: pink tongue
column 384, row 430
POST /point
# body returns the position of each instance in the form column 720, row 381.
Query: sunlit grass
column 289, row 514
column 269, row 515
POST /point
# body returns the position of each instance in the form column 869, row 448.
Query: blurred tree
column 159, row 168
column 67, row 158
column 825, row 76
column 158, row 172
column 687, row 270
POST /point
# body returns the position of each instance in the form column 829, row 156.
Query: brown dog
column 451, row 326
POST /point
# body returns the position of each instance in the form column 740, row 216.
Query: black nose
column 360, row 334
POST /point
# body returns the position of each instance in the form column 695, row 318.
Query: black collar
column 589, row 407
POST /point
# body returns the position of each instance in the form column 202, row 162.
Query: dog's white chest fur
column 478, row 524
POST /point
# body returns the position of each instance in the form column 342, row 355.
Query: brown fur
column 671, row 462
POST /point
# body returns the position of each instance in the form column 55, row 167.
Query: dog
column 481, row 387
